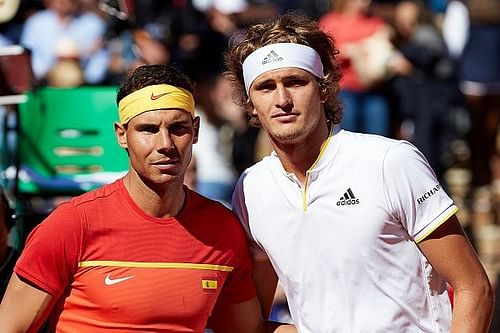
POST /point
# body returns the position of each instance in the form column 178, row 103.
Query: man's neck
column 298, row 158
column 163, row 202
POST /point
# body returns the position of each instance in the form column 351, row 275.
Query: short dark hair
column 148, row 75
column 287, row 28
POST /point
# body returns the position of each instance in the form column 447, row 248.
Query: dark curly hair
column 148, row 75
column 288, row 28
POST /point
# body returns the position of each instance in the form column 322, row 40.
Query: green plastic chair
column 64, row 146
column 66, row 141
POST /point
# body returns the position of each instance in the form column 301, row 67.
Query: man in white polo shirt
column 360, row 233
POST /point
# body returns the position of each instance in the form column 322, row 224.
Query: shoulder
column 371, row 144
column 262, row 168
column 90, row 20
column 88, row 15
column 405, row 155
column 217, row 223
column 211, row 210
column 103, row 192
column 259, row 174
column 395, row 159
column 370, row 25
column 374, row 151
column 40, row 17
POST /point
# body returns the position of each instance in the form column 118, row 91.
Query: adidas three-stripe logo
column 271, row 57
column 348, row 199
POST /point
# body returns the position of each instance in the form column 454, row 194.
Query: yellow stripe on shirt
column 172, row 265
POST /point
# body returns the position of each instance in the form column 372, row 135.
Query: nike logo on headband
column 155, row 97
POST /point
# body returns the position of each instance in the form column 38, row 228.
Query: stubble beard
column 287, row 135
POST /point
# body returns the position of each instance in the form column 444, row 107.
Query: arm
column 450, row 253
column 23, row 307
column 265, row 281
column 244, row 317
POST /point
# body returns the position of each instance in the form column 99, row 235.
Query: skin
column 159, row 144
column 450, row 253
column 289, row 106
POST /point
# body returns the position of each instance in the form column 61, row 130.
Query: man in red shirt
column 144, row 253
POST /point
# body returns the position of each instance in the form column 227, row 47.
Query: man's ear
column 249, row 106
column 121, row 137
column 253, row 112
column 196, row 129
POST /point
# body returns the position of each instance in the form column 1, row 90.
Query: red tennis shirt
column 116, row 269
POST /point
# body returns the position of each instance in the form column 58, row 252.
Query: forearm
column 472, row 310
column 275, row 327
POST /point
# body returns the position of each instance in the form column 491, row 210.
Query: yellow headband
column 156, row 97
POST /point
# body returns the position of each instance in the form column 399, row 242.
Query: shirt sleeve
column 412, row 192
column 50, row 256
column 240, row 210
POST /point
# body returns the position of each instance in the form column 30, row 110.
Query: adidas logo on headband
column 281, row 55
column 271, row 57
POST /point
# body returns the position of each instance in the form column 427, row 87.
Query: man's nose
column 164, row 139
column 283, row 98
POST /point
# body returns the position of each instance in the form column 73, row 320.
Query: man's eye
column 296, row 82
column 265, row 86
column 148, row 129
column 179, row 128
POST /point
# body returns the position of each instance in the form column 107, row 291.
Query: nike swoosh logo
column 109, row 281
column 155, row 97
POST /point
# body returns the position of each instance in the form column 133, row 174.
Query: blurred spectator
column 363, row 41
column 63, row 36
column 228, row 145
column 13, row 13
column 424, row 85
column 215, row 174
column 164, row 32
column 219, row 21
column 314, row 9
column 245, row 144
column 190, row 35
column 133, row 48
column 436, row 7
column 8, row 10
column 472, row 32
column 221, row 11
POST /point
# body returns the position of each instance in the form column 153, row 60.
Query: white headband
column 280, row 55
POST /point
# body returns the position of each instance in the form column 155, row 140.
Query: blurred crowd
column 424, row 71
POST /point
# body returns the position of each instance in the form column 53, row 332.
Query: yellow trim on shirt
column 304, row 196
column 321, row 152
column 322, row 149
column 181, row 265
column 444, row 219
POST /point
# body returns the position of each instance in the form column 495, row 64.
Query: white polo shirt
column 344, row 244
